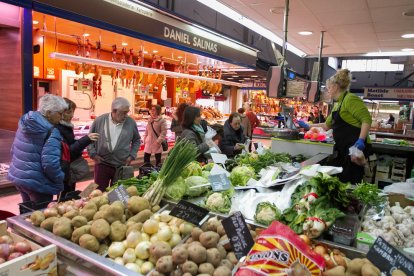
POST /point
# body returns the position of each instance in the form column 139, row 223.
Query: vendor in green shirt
column 350, row 121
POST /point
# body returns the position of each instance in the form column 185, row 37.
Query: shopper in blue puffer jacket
column 36, row 168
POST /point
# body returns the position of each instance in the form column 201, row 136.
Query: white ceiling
column 352, row 27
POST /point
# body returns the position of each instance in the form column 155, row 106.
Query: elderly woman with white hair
column 118, row 143
column 36, row 169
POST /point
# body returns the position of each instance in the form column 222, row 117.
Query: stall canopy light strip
column 250, row 24
column 117, row 65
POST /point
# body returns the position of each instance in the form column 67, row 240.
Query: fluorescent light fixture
column 305, row 33
column 407, row 49
column 235, row 76
column 407, row 36
column 253, row 76
column 155, row 51
column 35, row 22
column 232, row 14
column 86, row 34
column 145, row 52
column 179, row 57
column 230, row 78
column 124, row 44
column 389, row 54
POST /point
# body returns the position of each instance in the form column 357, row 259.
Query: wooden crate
column 24, row 265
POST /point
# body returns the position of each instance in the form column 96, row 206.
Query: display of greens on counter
column 258, row 162
column 369, row 194
column 141, row 184
column 333, row 188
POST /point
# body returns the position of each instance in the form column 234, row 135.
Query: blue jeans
column 29, row 195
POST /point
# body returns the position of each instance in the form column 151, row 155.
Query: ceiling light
column 250, row 24
column 389, row 54
column 124, row 44
column 407, row 36
column 235, row 76
column 145, row 52
column 230, row 78
column 305, row 33
column 409, row 13
column 253, row 76
column 155, row 51
column 86, row 34
column 246, row 78
column 179, row 57
column 35, row 22
column 407, row 49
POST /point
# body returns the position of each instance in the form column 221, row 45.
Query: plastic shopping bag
column 357, row 156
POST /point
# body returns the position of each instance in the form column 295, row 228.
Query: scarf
column 198, row 128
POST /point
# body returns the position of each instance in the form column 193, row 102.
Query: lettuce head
column 194, row 181
column 240, row 175
column 176, row 190
column 192, row 169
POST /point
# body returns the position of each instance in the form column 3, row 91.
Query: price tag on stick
column 239, row 235
column 88, row 190
column 387, row 258
column 119, row 193
column 189, row 212
column 219, row 182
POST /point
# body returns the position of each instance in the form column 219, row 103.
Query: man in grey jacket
column 118, row 145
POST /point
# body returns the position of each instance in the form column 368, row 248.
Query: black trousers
column 147, row 158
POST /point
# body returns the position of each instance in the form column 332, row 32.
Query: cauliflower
column 266, row 213
column 219, row 202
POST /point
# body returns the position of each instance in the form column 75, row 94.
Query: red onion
column 14, row 255
column 6, row 239
column 4, row 250
column 52, row 204
column 22, row 247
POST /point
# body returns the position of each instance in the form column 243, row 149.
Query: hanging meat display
column 159, row 81
column 87, row 67
column 78, row 66
column 209, row 84
column 114, row 71
column 203, row 83
column 130, row 73
column 179, row 70
column 216, row 87
column 153, row 77
column 97, row 78
column 137, row 74
column 185, row 81
column 197, row 83
column 123, row 74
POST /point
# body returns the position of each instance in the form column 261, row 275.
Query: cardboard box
column 404, row 202
column 26, row 265
column 398, row 172
column 382, row 175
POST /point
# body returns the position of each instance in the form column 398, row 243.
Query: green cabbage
column 266, row 213
column 208, row 167
column 196, row 181
column 240, row 175
column 206, row 174
column 176, row 190
column 193, row 169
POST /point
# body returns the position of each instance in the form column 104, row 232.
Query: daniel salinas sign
column 389, row 93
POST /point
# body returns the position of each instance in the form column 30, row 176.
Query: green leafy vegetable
column 208, row 167
column 240, row 175
column 266, row 213
column 332, row 188
column 176, row 190
column 219, row 202
column 142, row 184
column 258, row 162
column 368, row 194
column 196, row 186
column 193, row 169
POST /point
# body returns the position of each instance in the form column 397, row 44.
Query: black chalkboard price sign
column 189, row 212
column 387, row 258
column 239, row 235
column 119, row 193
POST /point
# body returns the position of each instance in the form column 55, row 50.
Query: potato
column 177, row 272
column 227, row 263
column 155, row 208
column 209, row 239
column 89, row 210
column 51, row 212
column 179, row 254
column 114, row 213
column 187, row 274
column 213, row 257
column 100, row 229
column 79, row 221
column 155, row 273
column 141, row 216
column 95, row 193
column 204, row 274
column 159, row 249
column 104, row 207
column 224, row 240
column 232, row 258
column 369, row 269
column 98, row 215
column 137, row 204
column 134, row 226
column 222, row 271
column 99, row 201
column 336, row 271
column 189, row 240
column 190, row 267
column 118, row 231
column 63, row 228
column 48, row 223
column 86, row 229
column 206, row 268
column 37, row 217
column 71, row 214
column 132, row 191
column 197, row 253
column 220, row 230
column 398, row 272
column 195, row 233
column 103, row 249
column 212, row 224
column 222, row 251
column 89, row 242
column 164, row 264
column 355, row 266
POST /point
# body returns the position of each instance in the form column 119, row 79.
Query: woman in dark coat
column 234, row 139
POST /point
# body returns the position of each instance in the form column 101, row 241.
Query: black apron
column 345, row 136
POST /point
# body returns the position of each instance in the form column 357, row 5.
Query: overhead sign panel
column 389, row 93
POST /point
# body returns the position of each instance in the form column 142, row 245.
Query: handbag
column 164, row 143
column 79, row 169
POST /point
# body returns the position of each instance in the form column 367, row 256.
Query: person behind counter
column 391, row 120
column 350, row 121
column 177, row 119
column 76, row 146
column 118, row 144
column 36, row 169
column 234, row 138
column 194, row 132
column 245, row 122
column 154, row 135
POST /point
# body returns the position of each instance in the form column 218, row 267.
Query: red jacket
column 254, row 121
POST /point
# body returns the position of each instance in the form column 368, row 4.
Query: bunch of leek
column 182, row 154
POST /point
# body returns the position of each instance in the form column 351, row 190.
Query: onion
column 61, row 209
column 52, row 204
column 175, row 239
column 133, row 267
column 142, row 250
column 146, row 267
column 320, row 249
column 119, row 260
column 22, row 247
column 139, row 262
column 162, row 224
column 305, row 239
column 164, row 234
column 154, row 238
column 165, row 216
column 5, row 250
column 186, row 228
column 133, row 238
column 6, row 239
column 150, row 226
column 175, row 229
column 70, row 207
column 116, row 249
column 145, row 237
column 51, row 212
column 78, row 203
column 156, row 217
column 14, row 255
column 129, row 256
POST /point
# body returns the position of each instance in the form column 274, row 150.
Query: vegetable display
column 266, row 213
column 332, row 188
column 368, row 194
column 258, row 162
column 141, row 184
column 182, row 154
